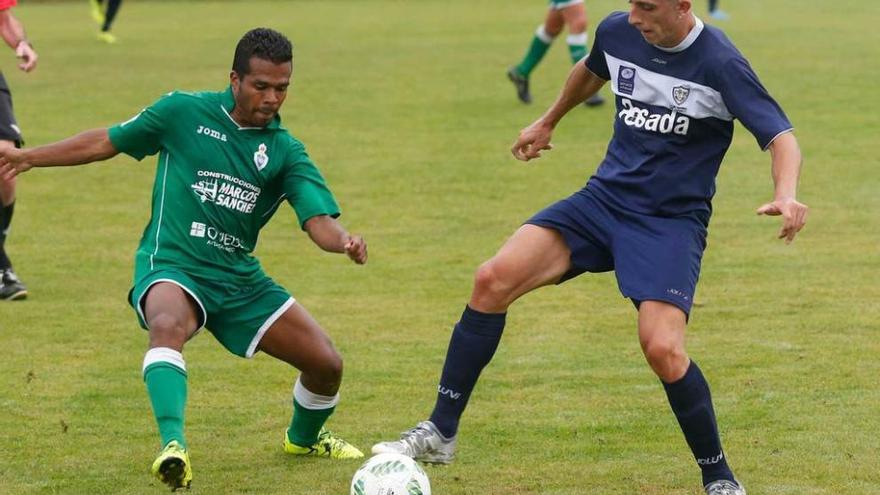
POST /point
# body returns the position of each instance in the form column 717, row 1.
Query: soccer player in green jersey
column 225, row 165
column 559, row 14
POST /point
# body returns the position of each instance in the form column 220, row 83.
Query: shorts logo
column 676, row 292
column 260, row 157
column 626, row 80
column 680, row 94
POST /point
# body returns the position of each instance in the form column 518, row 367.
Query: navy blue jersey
column 675, row 111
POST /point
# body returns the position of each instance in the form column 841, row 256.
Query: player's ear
column 234, row 80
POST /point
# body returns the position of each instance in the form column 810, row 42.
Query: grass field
column 405, row 107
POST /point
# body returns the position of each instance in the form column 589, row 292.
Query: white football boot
column 725, row 487
column 423, row 443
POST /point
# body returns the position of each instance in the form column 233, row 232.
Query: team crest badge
column 680, row 94
column 260, row 157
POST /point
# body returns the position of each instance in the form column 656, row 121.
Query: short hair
column 263, row 43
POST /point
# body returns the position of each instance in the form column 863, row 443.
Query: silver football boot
column 725, row 487
column 423, row 443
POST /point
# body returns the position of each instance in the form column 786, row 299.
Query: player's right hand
column 25, row 52
column 12, row 162
column 532, row 141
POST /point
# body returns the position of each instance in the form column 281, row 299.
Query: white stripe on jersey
column 161, row 210
column 657, row 89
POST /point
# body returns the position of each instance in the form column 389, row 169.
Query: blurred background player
column 12, row 32
column 105, row 18
column 716, row 13
column 560, row 14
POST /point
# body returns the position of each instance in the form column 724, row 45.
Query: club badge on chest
column 261, row 159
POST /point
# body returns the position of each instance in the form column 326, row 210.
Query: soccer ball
column 390, row 474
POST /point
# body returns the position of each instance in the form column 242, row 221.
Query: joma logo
column 211, row 133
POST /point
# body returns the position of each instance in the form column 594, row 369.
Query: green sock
column 577, row 46
column 540, row 44
column 306, row 424
column 166, row 386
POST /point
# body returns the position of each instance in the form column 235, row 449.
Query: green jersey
column 217, row 183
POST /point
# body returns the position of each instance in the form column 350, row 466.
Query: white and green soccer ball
column 390, row 474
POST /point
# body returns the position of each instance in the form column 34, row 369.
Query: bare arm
column 12, row 32
column 786, row 168
column 85, row 147
column 581, row 84
column 330, row 236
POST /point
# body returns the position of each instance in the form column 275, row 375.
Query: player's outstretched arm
column 786, row 156
column 535, row 138
column 85, row 147
column 330, row 236
column 12, row 33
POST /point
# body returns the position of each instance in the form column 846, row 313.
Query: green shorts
column 236, row 315
column 561, row 4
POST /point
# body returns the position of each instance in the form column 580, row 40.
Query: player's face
column 660, row 21
column 260, row 93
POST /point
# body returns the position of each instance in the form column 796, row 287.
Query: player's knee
column 548, row 31
column 490, row 284
column 329, row 370
column 667, row 358
column 578, row 26
column 167, row 331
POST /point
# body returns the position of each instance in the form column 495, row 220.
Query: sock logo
column 448, row 392
column 708, row 461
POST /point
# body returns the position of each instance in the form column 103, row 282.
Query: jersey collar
column 688, row 40
column 227, row 104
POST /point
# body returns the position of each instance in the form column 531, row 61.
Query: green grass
column 405, row 107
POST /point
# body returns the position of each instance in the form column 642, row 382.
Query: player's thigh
column 661, row 323
column 554, row 22
column 575, row 17
column 167, row 298
column 297, row 339
column 534, row 256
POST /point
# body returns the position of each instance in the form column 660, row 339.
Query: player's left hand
column 794, row 216
column 356, row 249
column 28, row 56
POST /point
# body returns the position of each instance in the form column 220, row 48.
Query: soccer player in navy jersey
column 678, row 85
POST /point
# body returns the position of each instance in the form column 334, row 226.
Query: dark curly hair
column 263, row 43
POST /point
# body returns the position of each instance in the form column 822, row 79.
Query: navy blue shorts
column 654, row 258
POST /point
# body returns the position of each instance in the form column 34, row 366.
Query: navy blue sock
column 713, row 4
column 691, row 402
column 471, row 347
column 5, row 220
